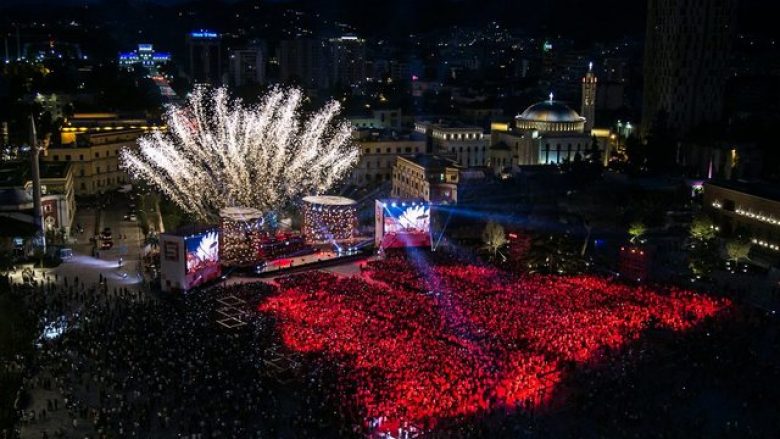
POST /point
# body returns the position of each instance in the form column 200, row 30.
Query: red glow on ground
column 463, row 339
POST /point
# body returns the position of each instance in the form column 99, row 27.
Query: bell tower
column 589, row 98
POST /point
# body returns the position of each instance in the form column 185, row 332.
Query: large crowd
column 426, row 342
column 129, row 364
column 422, row 341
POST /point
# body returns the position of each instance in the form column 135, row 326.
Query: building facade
column 146, row 57
column 751, row 209
column 687, row 47
column 589, row 88
column 546, row 133
column 204, row 56
column 302, row 61
column 378, row 157
column 348, row 60
column 378, row 119
column 58, row 203
column 426, row 177
column 468, row 144
column 247, row 66
column 95, row 159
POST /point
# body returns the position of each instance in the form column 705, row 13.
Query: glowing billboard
column 401, row 223
column 202, row 258
column 188, row 260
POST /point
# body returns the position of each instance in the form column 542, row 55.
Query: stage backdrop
column 402, row 223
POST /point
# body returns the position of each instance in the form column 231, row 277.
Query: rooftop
column 550, row 111
column 430, row 161
column 764, row 190
column 18, row 172
column 329, row 200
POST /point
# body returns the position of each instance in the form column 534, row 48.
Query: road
column 88, row 267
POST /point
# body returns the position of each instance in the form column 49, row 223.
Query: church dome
column 550, row 111
column 550, row 117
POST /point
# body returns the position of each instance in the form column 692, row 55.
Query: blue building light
column 204, row 34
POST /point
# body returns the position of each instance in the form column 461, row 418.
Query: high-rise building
column 687, row 47
column 588, row 110
column 348, row 62
column 301, row 61
column 204, row 52
column 247, row 66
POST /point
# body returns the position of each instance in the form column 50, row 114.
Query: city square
column 450, row 219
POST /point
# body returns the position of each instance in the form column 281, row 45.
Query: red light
column 458, row 340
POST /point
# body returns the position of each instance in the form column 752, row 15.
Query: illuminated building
column 687, row 46
column 329, row 218
column 426, row 177
column 348, row 63
column 94, row 156
column 104, row 122
column 747, row 208
column 548, row 132
column 58, row 203
column 378, row 156
column 146, row 57
column 588, row 110
column 468, row 144
column 204, row 55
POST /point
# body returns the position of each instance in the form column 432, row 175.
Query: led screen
column 202, row 263
column 406, row 225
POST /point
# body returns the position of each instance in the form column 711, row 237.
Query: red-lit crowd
column 421, row 341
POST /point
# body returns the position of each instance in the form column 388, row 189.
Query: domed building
column 546, row 133
column 550, row 116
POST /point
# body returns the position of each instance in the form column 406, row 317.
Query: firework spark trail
column 220, row 153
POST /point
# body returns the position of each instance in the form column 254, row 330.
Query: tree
column 737, row 249
column 558, row 254
column 703, row 256
column 493, row 237
column 636, row 230
column 702, row 229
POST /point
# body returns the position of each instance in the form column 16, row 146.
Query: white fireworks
column 415, row 218
column 208, row 247
column 220, row 153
